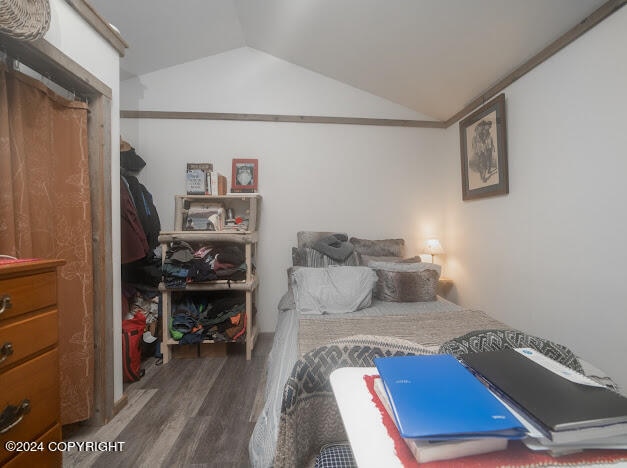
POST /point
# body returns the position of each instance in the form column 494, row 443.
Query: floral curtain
column 45, row 212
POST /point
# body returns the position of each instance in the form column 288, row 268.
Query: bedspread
column 430, row 328
column 309, row 414
column 429, row 324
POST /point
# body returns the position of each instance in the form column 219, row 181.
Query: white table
column 371, row 444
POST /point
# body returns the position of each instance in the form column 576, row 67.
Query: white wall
column 368, row 181
column 74, row 37
column 550, row 256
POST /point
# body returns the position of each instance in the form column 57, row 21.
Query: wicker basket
column 24, row 19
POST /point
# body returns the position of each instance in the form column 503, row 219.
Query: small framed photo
column 245, row 176
column 483, row 144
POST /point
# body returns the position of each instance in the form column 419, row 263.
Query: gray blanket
column 309, row 414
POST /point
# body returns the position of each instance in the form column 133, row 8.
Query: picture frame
column 483, row 147
column 245, row 176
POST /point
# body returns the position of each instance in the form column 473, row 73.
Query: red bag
column 132, row 332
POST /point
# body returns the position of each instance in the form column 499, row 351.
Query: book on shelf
column 243, row 190
column 239, row 225
column 216, row 183
column 433, row 450
column 196, row 178
column 436, row 397
column 565, row 406
column 204, row 217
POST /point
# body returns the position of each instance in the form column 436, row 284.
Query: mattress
column 426, row 323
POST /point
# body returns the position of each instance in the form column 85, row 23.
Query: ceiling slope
column 432, row 56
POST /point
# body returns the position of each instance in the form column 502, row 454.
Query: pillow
column 308, row 257
column 287, row 301
column 406, row 266
column 384, row 247
column 365, row 260
column 333, row 290
column 336, row 246
column 406, row 282
column 309, row 238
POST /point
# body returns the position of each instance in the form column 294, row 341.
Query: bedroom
column 546, row 258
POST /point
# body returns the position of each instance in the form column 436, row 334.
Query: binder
column 567, row 411
column 435, row 397
column 432, row 450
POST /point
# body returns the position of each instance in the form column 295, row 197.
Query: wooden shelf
column 217, row 285
column 254, row 334
column 243, row 204
column 244, row 237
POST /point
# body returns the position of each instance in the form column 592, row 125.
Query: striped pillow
column 309, row 257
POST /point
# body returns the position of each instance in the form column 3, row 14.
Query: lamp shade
column 433, row 247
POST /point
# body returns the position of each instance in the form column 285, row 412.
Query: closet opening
column 55, row 67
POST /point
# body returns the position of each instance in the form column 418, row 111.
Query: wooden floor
column 190, row 412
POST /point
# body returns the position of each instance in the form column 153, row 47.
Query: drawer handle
column 13, row 415
column 5, row 303
column 6, row 350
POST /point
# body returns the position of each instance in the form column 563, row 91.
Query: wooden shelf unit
column 246, row 204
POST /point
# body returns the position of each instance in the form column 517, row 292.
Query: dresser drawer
column 21, row 338
column 40, row 458
column 36, row 381
column 27, row 293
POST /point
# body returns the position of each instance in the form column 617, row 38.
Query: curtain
column 45, row 212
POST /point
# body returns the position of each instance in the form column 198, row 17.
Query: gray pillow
column 308, row 257
column 287, row 301
column 309, row 238
column 333, row 290
column 379, row 248
column 406, row 282
column 336, row 246
column 366, row 260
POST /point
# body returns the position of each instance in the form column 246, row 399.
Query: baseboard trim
column 119, row 405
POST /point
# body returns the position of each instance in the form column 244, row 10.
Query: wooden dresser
column 29, row 362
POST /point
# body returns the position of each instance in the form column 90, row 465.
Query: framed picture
column 484, row 151
column 245, row 176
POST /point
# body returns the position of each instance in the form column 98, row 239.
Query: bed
column 429, row 323
column 306, row 340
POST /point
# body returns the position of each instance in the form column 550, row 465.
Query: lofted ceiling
column 432, row 56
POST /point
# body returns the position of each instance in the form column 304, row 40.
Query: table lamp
column 433, row 247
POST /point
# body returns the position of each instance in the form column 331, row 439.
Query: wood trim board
column 99, row 147
column 50, row 62
column 139, row 114
column 100, row 25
